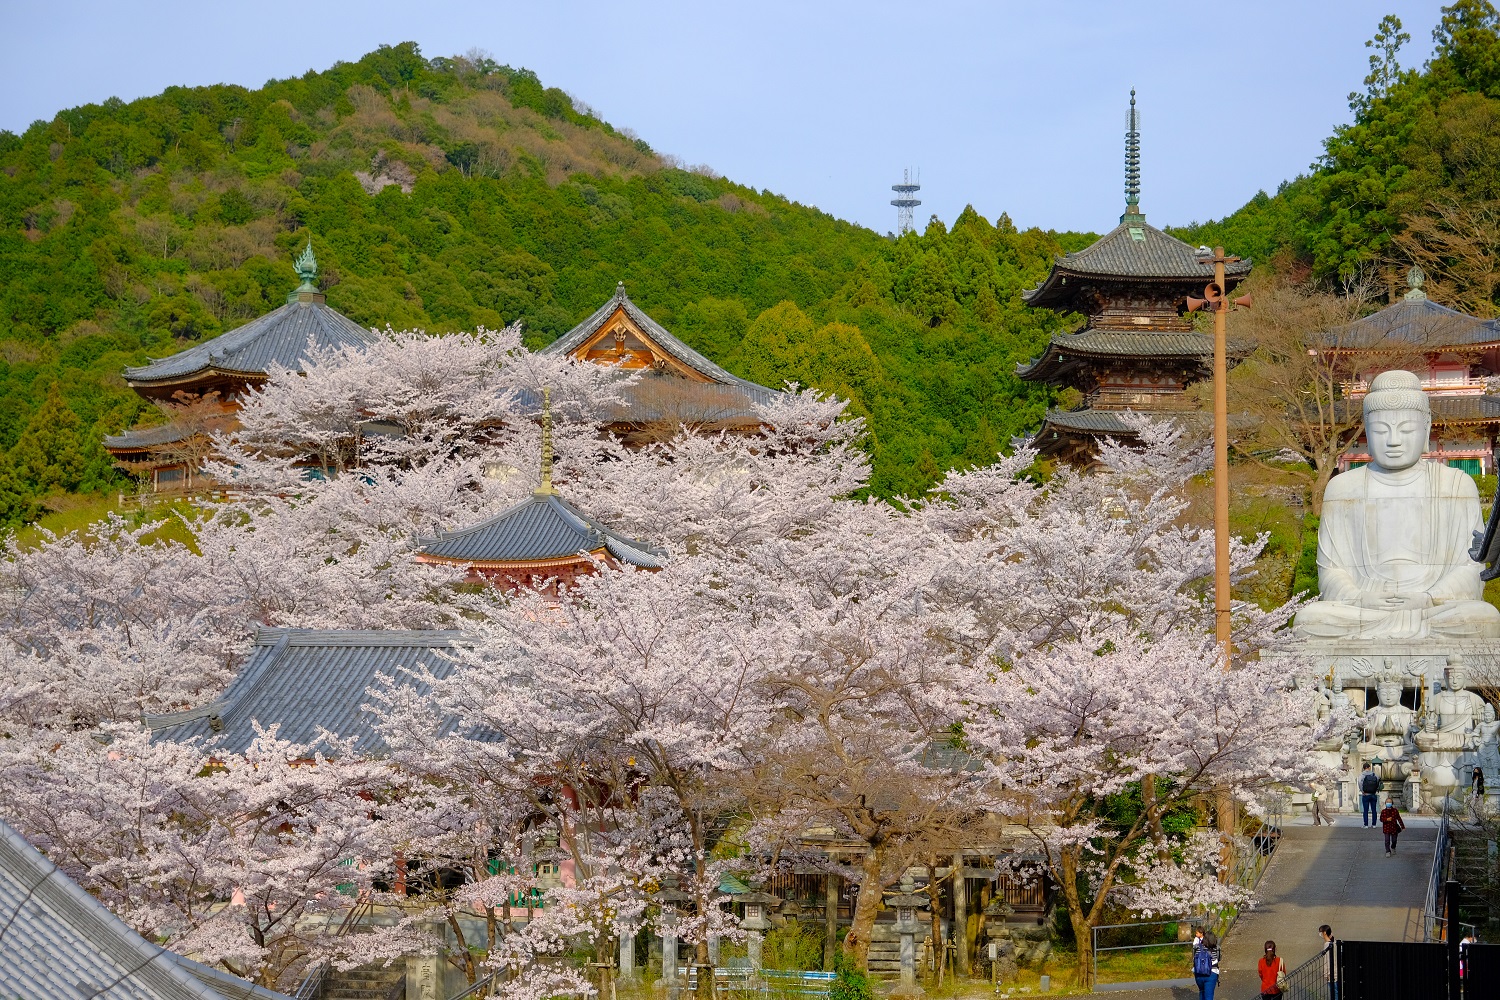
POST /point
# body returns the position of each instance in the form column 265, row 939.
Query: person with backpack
column 1205, row 962
column 1391, row 824
column 1369, row 793
column 1272, row 969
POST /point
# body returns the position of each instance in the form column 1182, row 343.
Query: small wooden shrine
column 681, row 388
column 1137, row 349
column 1454, row 354
column 204, row 384
column 543, row 541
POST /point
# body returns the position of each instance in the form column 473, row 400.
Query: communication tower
column 905, row 200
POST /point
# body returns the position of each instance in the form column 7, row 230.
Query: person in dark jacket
column 1391, row 825
column 1369, row 791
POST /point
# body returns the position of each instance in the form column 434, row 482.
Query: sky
column 1014, row 107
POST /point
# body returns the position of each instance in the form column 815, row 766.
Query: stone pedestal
column 1416, row 769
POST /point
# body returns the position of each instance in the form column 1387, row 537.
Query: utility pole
column 1214, row 299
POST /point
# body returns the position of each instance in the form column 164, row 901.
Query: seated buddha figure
column 1393, row 544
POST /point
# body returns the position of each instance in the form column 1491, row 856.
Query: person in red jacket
column 1270, row 968
column 1391, row 825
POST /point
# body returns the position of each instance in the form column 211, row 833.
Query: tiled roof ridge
column 218, row 352
column 664, row 338
column 137, row 961
column 296, row 636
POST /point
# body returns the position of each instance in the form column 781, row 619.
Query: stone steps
column 368, row 982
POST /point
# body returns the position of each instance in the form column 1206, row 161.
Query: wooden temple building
column 1452, row 352
column 1137, row 349
column 204, row 384
column 682, row 388
column 542, row 542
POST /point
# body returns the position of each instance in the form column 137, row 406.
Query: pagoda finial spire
column 306, row 266
column 1133, row 164
column 544, row 487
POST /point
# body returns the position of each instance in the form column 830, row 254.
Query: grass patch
column 79, row 512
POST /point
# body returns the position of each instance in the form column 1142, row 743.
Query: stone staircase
column 368, row 982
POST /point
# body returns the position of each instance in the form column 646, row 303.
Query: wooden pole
column 1221, row 462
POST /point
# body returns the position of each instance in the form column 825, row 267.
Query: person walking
column 1369, row 790
column 1391, row 825
column 1272, row 969
column 1320, row 806
column 1205, row 962
column 1330, row 963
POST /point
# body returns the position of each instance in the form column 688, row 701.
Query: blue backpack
column 1203, row 961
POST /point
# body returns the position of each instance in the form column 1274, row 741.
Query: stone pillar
column 669, row 959
column 831, row 917
column 960, row 931
column 627, row 957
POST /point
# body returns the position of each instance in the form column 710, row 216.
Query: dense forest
column 450, row 193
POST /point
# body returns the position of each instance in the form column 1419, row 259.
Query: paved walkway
column 1338, row 876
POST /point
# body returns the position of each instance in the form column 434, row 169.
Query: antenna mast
column 905, row 201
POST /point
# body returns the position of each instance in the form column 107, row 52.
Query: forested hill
column 1415, row 179
column 446, row 194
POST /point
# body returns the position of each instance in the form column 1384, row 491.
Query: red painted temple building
column 1137, row 349
column 204, row 384
column 1453, row 353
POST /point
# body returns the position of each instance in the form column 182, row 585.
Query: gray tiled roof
column 1114, row 343
column 142, row 438
column 1459, row 409
column 663, row 338
column 1092, row 421
column 59, row 943
column 1118, row 254
column 543, row 526
column 280, row 337
column 1417, row 322
column 310, row 680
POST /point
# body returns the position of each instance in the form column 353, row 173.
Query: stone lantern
column 906, row 903
column 671, row 899
column 757, row 920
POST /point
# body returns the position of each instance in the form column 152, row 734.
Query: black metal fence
column 1392, row 970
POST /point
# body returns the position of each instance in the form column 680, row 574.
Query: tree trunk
column 1083, row 928
column 866, row 906
column 1319, row 485
column 830, row 919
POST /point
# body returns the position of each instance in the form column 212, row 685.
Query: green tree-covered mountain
column 452, row 193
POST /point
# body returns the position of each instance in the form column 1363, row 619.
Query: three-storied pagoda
column 1137, row 349
column 209, row 380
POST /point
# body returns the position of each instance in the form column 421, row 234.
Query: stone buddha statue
column 1393, row 543
column 1386, row 730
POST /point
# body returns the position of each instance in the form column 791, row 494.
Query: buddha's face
column 1397, row 438
column 1389, row 694
column 1458, row 678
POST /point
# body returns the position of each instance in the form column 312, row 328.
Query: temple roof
column 662, row 338
column 1464, row 409
column 63, row 944
column 1065, row 351
column 1414, row 321
column 540, row 528
column 143, row 438
column 310, row 680
column 279, row 338
column 1132, row 251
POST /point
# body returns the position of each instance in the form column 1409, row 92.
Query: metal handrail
column 473, row 991
column 1436, row 876
column 313, row 981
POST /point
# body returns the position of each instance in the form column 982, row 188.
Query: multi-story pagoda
column 1453, row 353
column 541, row 541
column 680, row 388
column 1137, row 349
column 204, row 384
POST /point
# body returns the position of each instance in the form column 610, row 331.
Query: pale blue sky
column 1011, row 106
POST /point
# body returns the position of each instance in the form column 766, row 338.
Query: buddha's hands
column 1394, row 602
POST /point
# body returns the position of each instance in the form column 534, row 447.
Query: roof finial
column 1133, row 164
column 1415, row 278
column 545, row 486
column 306, row 266
column 620, row 290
